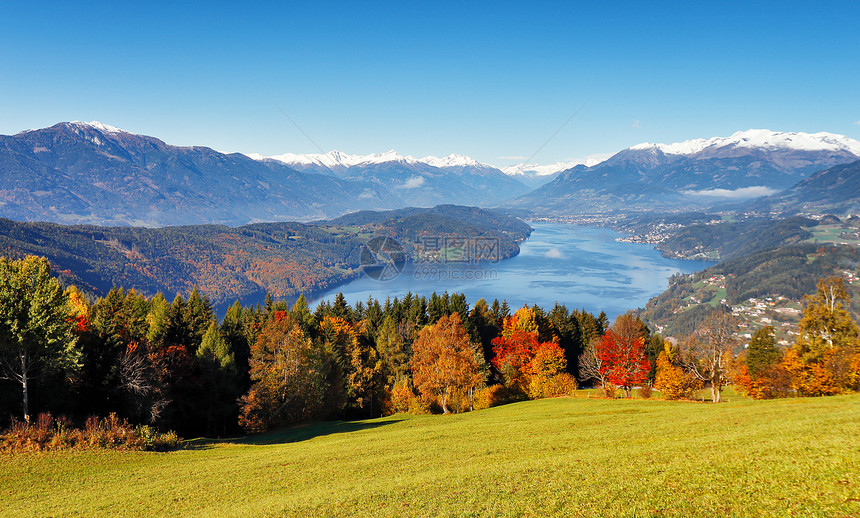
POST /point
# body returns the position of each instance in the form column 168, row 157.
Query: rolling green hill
column 557, row 457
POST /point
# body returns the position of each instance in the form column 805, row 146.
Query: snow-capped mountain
column 419, row 182
column 336, row 160
column 535, row 175
column 694, row 173
column 761, row 139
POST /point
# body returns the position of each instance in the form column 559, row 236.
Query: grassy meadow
column 557, row 457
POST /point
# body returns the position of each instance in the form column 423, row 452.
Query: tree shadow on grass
column 294, row 433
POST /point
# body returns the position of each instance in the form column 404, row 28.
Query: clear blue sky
column 488, row 79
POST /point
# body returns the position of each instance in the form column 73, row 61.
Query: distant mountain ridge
column 691, row 174
column 418, row 182
column 76, row 172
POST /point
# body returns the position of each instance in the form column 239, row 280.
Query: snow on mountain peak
column 549, row 169
column 760, row 138
column 104, row 128
column 337, row 159
column 452, row 160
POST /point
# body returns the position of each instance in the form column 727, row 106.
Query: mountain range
column 418, row 182
column 693, row 173
column 75, row 172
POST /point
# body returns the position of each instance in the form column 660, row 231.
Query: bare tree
column 136, row 378
column 590, row 364
column 708, row 351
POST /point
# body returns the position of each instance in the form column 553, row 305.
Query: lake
column 581, row 267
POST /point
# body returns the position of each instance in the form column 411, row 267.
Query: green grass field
column 562, row 457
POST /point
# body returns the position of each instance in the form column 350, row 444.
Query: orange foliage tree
column 444, row 361
column 672, row 381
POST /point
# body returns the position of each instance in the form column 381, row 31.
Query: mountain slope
column 693, row 173
column 93, row 173
column 835, row 190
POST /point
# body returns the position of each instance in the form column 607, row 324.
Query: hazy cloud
column 744, row 192
column 857, row 123
column 554, row 253
column 413, row 183
column 637, row 124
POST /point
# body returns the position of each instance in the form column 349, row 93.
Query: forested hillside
column 284, row 259
column 736, row 239
column 790, row 272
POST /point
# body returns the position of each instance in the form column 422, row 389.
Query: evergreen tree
column 218, row 380
column 233, row 330
column 762, row 351
column 36, row 333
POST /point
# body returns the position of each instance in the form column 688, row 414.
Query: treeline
column 173, row 364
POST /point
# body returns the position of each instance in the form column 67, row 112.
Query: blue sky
column 489, row 79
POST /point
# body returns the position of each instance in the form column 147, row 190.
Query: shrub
column 491, row 396
column 645, row 391
column 562, row 384
column 49, row 434
column 419, row 405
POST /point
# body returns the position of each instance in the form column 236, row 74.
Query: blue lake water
column 581, row 267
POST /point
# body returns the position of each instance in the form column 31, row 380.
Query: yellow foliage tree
column 672, row 381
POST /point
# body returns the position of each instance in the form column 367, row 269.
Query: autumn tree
column 512, row 353
column 546, row 372
column 671, row 380
column 622, row 354
column 36, row 331
column 362, row 368
column 826, row 358
column 826, row 323
column 289, row 377
column 708, row 351
column 444, row 361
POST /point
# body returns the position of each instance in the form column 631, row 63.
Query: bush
column 645, row 391
column 419, row 405
column 491, row 396
column 50, row 434
column 562, row 384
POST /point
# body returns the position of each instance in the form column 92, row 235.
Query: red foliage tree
column 623, row 359
column 516, row 350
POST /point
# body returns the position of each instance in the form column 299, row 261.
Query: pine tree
column 218, row 379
